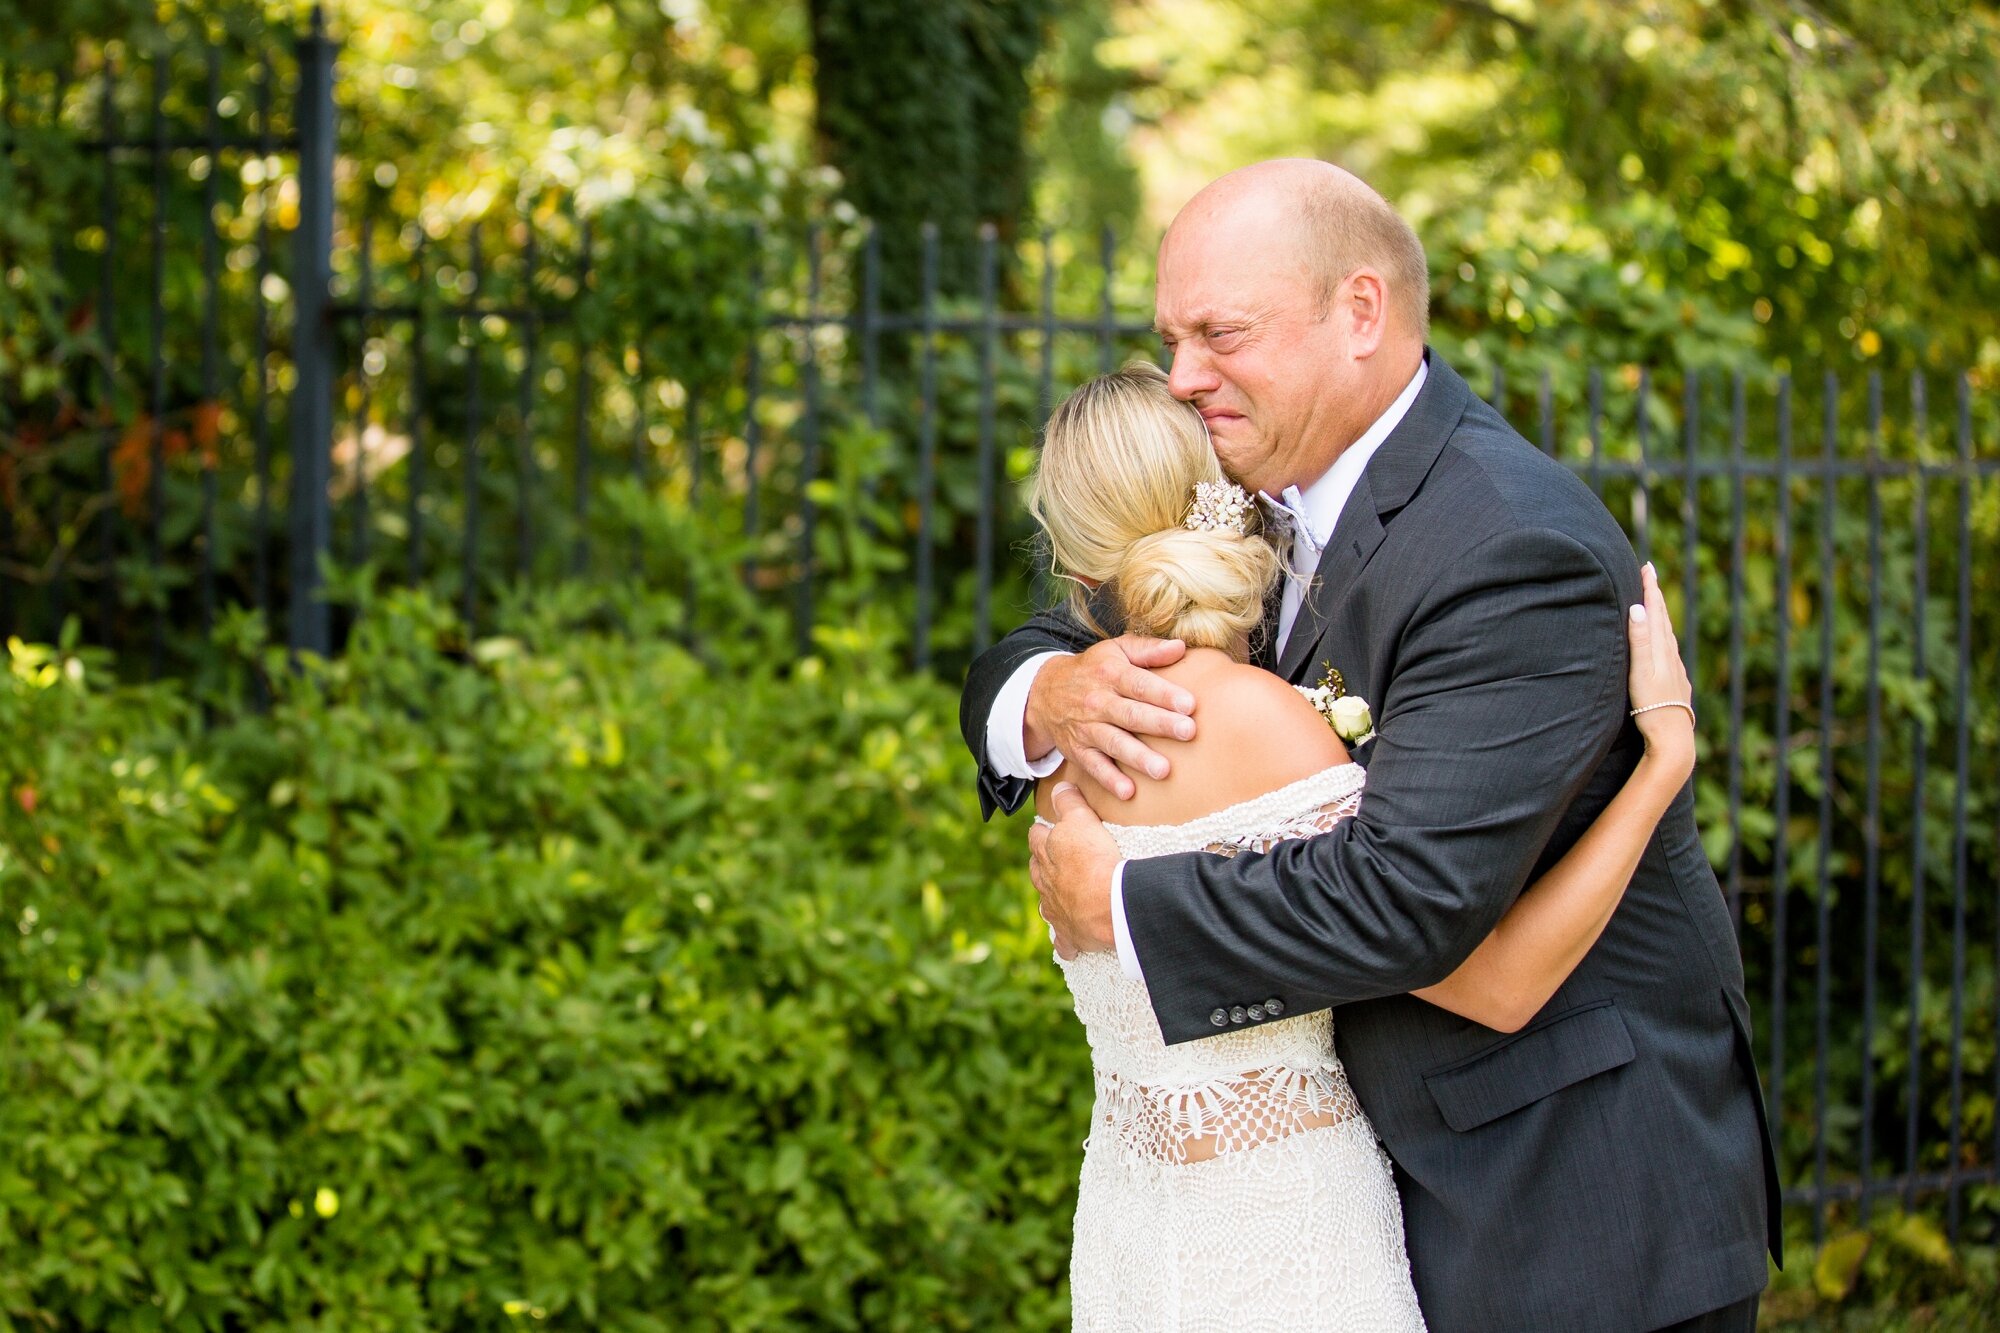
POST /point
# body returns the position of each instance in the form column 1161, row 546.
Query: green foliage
column 1824, row 170
column 662, row 319
column 555, row 973
column 76, row 294
column 464, row 100
column 1698, row 187
column 1896, row 1272
column 911, row 154
column 1085, row 179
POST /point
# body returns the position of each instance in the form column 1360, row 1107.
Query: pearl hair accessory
column 1219, row 506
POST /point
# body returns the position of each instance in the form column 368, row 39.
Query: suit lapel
column 1354, row 539
column 1391, row 479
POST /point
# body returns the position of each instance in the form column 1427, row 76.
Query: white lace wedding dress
column 1231, row 1183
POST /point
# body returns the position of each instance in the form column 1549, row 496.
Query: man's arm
column 1051, row 688
column 1507, row 694
column 1048, row 631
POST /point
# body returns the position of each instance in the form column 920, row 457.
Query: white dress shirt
column 1319, row 507
column 1322, row 502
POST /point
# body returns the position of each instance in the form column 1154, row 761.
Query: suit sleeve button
column 1273, row 1008
column 1220, row 1018
column 1256, row 1013
column 1238, row 1014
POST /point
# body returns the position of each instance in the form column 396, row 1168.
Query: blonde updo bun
column 1117, row 474
column 1206, row 588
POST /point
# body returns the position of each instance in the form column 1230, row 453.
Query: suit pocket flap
column 1566, row 1049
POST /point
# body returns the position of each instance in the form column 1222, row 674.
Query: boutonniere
column 1348, row 714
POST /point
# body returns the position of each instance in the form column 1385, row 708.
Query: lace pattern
column 1253, row 1132
column 1313, row 804
column 1117, row 1012
column 1168, row 1124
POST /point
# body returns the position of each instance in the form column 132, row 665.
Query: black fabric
column 1473, row 591
column 1551, row 1054
column 1740, row 1317
column 1052, row 629
column 1264, row 638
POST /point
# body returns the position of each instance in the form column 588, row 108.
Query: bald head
column 1332, row 221
column 1293, row 301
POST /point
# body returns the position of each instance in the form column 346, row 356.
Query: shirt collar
column 1320, row 504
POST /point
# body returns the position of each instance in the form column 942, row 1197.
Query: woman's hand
column 1658, row 677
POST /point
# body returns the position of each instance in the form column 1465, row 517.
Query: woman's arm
column 1553, row 924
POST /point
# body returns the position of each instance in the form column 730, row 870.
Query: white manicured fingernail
column 1062, row 787
column 1638, row 615
column 1158, row 769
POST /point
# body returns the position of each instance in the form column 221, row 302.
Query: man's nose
column 1190, row 373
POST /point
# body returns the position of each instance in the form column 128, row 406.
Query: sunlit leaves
column 733, row 1024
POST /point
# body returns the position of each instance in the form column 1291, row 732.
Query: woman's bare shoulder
column 1248, row 709
column 1253, row 734
column 1245, row 697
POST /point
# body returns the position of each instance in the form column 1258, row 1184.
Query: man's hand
column 1095, row 706
column 1071, row 863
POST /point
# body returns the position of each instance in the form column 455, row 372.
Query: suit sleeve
column 1048, row 631
column 1506, row 694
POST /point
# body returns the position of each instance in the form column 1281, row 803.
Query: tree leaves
column 670, row 1042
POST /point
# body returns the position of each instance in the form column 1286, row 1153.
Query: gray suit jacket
column 1608, row 1167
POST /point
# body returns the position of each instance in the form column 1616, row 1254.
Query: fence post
column 310, row 520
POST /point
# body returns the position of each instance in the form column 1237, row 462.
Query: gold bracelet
column 1669, row 703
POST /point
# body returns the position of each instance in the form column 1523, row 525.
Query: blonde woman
column 1234, row 1182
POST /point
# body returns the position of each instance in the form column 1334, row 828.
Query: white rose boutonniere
column 1348, row 714
column 1350, row 719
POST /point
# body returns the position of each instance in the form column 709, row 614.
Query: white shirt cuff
column 1006, row 747
column 1121, row 933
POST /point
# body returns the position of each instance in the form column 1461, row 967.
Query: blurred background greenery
column 1816, row 185
column 719, row 1008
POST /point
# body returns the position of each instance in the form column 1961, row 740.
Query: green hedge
column 565, row 976
column 573, row 972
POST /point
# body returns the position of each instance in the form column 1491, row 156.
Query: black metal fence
column 125, row 414
column 1830, row 540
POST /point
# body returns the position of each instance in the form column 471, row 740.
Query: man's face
column 1235, row 307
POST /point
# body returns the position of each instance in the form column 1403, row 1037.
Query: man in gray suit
column 1607, row 1167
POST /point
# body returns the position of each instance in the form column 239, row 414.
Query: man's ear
column 1363, row 307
